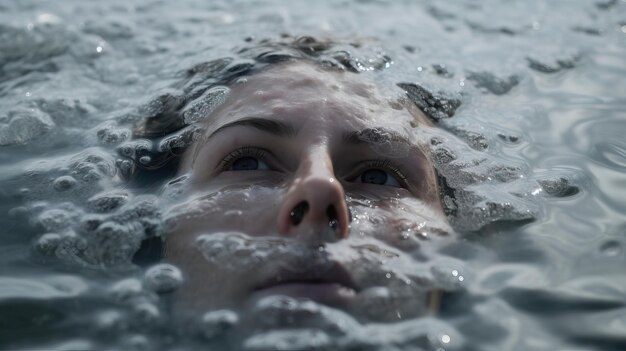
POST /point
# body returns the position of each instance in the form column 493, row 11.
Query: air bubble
column 110, row 134
column 25, row 124
column 125, row 167
column 24, row 192
column 91, row 168
column 437, row 105
column 298, row 339
column 216, row 323
column 110, row 320
column 55, row 219
column 146, row 313
column 17, row 211
column 47, row 243
column 135, row 147
column 177, row 143
column 79, row 243
column 163, row 278
column 167, row 100
column 64, row 183
column 107, row 202
column 126, row 289
column 202, row 107
column 90, row 222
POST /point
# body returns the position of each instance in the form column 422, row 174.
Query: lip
column 331, row 286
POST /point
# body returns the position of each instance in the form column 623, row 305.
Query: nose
column 314, row 205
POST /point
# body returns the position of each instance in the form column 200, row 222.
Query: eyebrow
column 271, row 126
column 367, row 136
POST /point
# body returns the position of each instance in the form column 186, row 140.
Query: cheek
column 406, row 224
column 191, row 218
column 249, row 209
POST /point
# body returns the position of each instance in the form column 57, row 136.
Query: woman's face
column 307, row 184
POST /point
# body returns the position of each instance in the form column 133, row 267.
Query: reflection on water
column 528, row 104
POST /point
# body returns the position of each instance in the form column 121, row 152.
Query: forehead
column 304, row 93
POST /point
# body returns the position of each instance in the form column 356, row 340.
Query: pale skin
column 280, row 158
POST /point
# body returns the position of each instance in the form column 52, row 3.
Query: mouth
column 332, row 286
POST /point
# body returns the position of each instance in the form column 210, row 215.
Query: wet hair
column 170, row 122
column 174, row 119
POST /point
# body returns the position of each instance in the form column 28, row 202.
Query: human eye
column 379, row 172
column 245, row 159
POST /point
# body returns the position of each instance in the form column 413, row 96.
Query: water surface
column 539, row 162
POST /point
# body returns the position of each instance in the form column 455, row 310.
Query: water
column 531, row 90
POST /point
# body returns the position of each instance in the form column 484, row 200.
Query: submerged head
column 306, row 183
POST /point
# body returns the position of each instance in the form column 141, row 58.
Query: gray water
column 539, row 157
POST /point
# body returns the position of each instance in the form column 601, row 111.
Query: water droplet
column 445, row 339
column 163, row 278
column 28, row 94
column 611, row 248
column 388, row 275
column 99, row 49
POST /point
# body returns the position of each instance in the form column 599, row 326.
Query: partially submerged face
column 305, row 184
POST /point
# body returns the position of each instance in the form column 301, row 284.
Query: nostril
column 298, row 212
column 332, row 217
